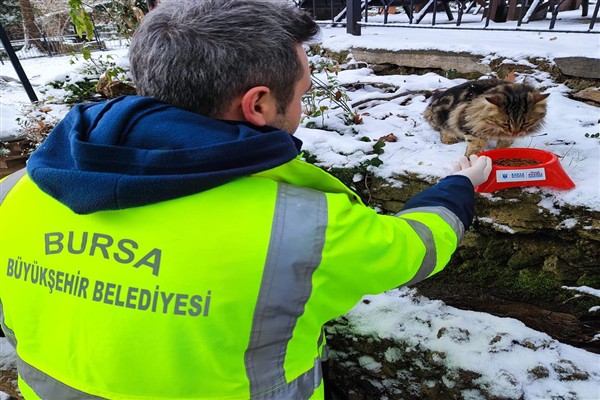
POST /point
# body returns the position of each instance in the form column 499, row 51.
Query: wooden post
column 353, row 11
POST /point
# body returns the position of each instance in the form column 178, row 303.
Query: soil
column 515, row 162
column 16, row 158
column 8, row 380
column 12, row 166
column 562, row 326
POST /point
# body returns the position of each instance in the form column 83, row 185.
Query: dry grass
column 8, row 383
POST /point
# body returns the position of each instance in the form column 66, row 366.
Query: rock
column 567, row 371
column 539, row 372
column 444, row 60
column 581, row 67
column 589, row 94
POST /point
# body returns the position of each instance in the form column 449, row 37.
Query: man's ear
column 259, row 106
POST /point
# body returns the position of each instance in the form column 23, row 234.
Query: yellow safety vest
column 216, row 295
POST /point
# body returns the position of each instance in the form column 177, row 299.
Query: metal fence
column 49, row 46
column 531, row 15
column 355, row 14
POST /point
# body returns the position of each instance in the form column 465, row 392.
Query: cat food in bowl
column 513, row 167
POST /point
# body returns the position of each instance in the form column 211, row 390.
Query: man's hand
column 477, row 169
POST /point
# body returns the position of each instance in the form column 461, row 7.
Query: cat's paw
column 448, row 139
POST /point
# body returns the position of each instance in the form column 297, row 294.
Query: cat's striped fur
column 487, row 109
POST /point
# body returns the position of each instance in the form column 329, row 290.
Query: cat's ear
column 495, row 100
column 537, row 97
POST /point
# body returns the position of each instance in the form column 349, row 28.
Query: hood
column 133, row 151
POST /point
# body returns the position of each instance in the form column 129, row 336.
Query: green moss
column 534, row 284
column 495, row 277
column 310, row 158
column 523, row 259
column 591, row 280
column 498, row 250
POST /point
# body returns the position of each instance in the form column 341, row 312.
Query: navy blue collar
column 133, row 151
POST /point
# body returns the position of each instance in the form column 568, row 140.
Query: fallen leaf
column 389, row 138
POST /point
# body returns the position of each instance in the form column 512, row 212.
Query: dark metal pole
column 96, row 35
column 353, row 17
column 594, row 15
column 17, row 65
column 47, row 44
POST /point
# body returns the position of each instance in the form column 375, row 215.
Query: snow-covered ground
column 503, row 351
column 568, row 133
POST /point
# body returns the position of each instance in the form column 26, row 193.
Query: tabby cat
column 482, row 110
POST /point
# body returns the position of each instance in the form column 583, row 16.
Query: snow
column 7, row 355
column 8, row 123
column 499, row 227
column 489, row 347
column 584, row 289
column 502, row 350
column 418, row 149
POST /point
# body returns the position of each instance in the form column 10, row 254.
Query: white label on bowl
column 520, row 175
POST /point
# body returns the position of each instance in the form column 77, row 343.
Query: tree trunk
column 32, row 32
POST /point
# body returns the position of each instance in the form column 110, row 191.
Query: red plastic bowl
column 546, row 172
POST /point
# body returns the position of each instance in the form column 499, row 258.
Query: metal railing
column 49, row 46
column 518, row 14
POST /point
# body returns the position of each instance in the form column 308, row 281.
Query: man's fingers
column 464, row 162
column 488, row 166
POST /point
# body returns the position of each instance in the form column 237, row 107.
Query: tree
column 10, row 18
column 32, row 32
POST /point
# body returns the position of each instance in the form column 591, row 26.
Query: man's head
column 225, row 59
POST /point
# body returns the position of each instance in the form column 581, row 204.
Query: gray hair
column 200, row 54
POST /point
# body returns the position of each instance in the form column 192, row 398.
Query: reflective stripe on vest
column 449, row 217
column 430, row 259
column 299, row 226
column 9, row 182
column 5, row 186
column 47, row 387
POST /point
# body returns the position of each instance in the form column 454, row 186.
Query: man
column 173, row 245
